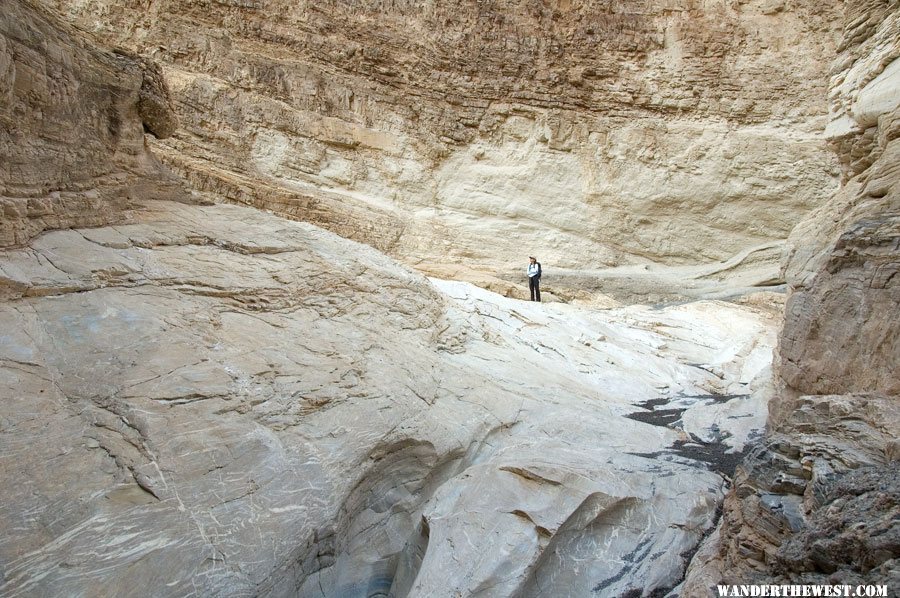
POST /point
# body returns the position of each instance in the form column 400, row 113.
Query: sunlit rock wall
column 591, row 134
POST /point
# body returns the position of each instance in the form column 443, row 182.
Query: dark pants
column 534, row 285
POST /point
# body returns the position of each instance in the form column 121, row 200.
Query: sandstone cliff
column 592, row 134
column 818, row 502
column 72, row 123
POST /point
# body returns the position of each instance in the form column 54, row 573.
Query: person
column 534, row 278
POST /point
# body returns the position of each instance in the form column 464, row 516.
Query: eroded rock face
column 591, row 134
column 839, row 336
column 216, row 401
column 857, row 536
column 213, row 401
column 817, row 502
column 154, row 104
column 844, row 261
column 72, row 136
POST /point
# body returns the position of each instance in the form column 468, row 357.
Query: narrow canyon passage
column 261, row 271
column 259, row 407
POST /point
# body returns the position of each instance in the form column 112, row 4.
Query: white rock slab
column 213, row 401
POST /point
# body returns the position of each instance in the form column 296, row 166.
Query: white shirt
column 532, row 270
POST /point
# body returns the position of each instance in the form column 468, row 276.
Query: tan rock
column 592, row 134
column 814, row 502
column 213, row 400
column 72, row 147
column 838, row 336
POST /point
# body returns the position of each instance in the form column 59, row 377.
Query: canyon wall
column 818, row 501
column 72, row 122
column 242, row 405
column 591, row 134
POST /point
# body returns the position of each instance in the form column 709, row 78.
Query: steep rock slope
column 214, row 401
column 593, row 134
column 72, row 122
column 817, row 503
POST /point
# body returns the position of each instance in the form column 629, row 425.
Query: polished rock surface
column 214, row 401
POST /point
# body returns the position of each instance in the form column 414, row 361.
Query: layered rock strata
column 818, row 502
column 214, row 401
column 591, row 134
column 72, row 123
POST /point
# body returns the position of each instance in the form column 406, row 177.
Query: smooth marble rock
column 215, row 401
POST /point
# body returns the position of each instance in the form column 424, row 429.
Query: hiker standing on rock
column 534, row 278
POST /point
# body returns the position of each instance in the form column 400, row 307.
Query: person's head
column 531, row 260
